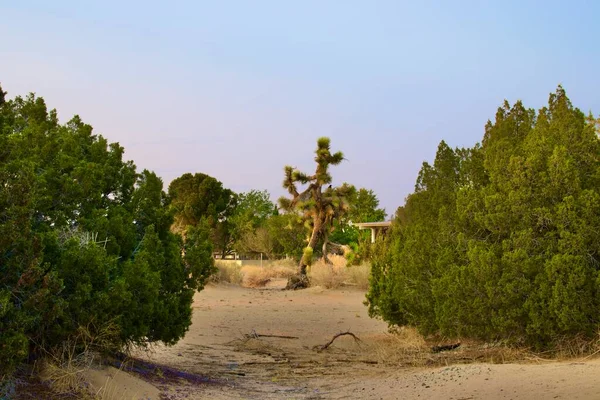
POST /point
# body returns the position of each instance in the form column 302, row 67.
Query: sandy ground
column 222, row 347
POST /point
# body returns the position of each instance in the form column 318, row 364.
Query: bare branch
column 254, row 335
column 337, row 335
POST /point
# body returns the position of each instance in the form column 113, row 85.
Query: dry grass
column 401, row 347
column 578, row 346
column 63, row 366
column 337, row 274
column 64, row 372
column 254, row 277
column 404, row 346
column 329, row 276
column 250, row 275
column 227, row 273
column 358, row 275
column 287, row 263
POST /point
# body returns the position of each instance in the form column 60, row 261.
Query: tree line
column 501, row 240
column 249, row 223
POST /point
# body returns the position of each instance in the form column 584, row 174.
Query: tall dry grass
column 358, row 275
column 404, row 346
column 227, row 273
column 338, row 274
column 63, row 366
column 329, row 276
column 252, row 276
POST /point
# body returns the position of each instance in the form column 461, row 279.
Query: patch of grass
column 404, row 346
column 259, row 276
column 578, row 346
column 338, row 274
column 63, row 371
column 62, row 368
column 252, row 276
column 358, row 275
column 399, row 347
column 329, row 276
column 287, row 263
column 227, row 272
column 255, row 277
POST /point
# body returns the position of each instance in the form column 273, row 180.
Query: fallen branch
column 337, row 335
column 445, row 347
column 255, row 335
column 345, row 360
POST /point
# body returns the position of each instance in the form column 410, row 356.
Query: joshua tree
column 318, row 206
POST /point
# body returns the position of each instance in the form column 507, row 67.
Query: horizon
column 239, row 92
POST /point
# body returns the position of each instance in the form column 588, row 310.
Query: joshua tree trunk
column 325, row 244
column 307, row 256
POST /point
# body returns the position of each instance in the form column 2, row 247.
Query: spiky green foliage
column 84, row 241
column 307, row 254
column 318, row 207
column 501, row 240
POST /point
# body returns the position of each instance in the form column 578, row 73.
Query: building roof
column 367, row 225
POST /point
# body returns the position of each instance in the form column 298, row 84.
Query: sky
column 239, row 89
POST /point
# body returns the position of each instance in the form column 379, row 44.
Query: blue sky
column 238, row 89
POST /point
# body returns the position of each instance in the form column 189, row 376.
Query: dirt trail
column 221, row 346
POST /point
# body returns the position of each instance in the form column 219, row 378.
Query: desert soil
column 224, row 347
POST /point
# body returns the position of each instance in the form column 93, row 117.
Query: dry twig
column 255, row 335
column 337, row 335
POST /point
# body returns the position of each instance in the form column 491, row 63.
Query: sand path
column 217, row 347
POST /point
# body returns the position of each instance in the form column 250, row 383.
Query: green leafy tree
column 501, row 240
column 288, row 234
column 362, row 207
column 85, row 241
column 248, row 222
column 199, row 197
column 318, row 206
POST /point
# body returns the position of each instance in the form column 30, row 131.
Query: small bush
column 255, row 277
column 359, row 275
column 260, row 276
column 403, row 345
column 227, row 273
column 329, row 276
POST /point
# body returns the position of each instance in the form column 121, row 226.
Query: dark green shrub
column 86, row 252
column 501, row 240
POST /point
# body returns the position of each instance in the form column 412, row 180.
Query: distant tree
column 318, row 207
column 362, row 207
column 257, row 240
column 199, row 197
column 252, row 211
column 288, row 233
